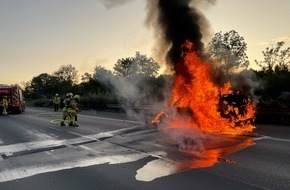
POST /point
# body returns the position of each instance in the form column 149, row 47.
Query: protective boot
column 62, row 123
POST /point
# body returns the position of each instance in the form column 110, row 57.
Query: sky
column 38, row 36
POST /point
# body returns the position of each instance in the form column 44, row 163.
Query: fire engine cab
column 15, row 97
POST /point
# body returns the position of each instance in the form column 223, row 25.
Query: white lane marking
column 75, row 133
column 8, row 153
column 45, row 168
column 272, row 138
column 19, row 147
column 38, row 135
column 107, row 133
column 13, row 148
column 90, row 149
column 98, row 117
column 275, row 139
column 105, row 153
column 85, row 116
column 111, row 119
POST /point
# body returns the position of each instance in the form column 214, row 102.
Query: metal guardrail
column 273, row 115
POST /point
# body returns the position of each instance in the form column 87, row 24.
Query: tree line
column 135, row 81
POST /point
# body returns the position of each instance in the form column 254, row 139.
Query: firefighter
column 73, row 110
column 65, row 114
column 5, row 105
column 56, row 102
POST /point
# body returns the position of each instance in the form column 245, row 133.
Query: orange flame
column 197, row 99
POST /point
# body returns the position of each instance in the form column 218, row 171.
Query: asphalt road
column 110, row 151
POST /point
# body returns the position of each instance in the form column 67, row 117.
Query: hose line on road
column 56, row 121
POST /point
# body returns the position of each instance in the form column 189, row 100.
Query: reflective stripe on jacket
column 56, row 100
column 5, row 102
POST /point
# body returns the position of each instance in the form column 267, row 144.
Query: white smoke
column 187, row 139
column 138, row 104
column 253, row 81
column 183, row 136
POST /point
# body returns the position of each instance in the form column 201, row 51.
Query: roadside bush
column 98, row 101
column 41, row 102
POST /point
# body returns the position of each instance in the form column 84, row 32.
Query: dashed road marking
column 111, row 119
column 275, row 139
column 100, row 153
column 51, row 143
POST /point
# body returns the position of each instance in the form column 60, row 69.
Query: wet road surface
column 111, row 151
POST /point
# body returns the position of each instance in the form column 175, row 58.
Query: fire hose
column 54, row 121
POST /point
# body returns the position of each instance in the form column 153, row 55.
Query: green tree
column 137, row 66
column 276, row 59
column 67, row 77
column 86, row 77
column 229, row 48
column 275, row 71
column 67, row 74
column 42, row 85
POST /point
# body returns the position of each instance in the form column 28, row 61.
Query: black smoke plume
column 174, row 22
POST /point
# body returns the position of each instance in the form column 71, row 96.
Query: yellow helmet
column 77, row 97
column 69, row 95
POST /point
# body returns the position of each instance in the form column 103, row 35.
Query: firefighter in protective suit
column 73, row 110
column 5, row 105
column 65, row 113
column 56, row 102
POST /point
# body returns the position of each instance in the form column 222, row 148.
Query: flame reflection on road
column 213, row 152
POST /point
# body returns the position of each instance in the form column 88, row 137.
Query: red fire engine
column 15, row 97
